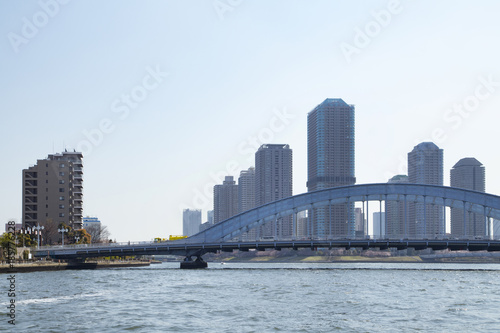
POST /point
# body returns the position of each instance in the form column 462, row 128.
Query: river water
column 260, row 297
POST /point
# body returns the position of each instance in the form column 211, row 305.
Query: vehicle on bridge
column 170, row 238
column 176, row 237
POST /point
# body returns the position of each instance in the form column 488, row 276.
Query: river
column 259, row 297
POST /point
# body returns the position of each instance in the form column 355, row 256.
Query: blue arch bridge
column 242, row 232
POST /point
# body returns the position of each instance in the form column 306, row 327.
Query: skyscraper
column 395, row 212
column 246, row 196
column 246, row 190
column 53, row 191
column 191, row 221
column 468, row 173
column 330, row 163
column 425, row 166
column 273, row 181
column 225, row 200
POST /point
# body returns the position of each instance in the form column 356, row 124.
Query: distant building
column 378, row 225
column 17, row 227
column 91, row 221
column 302, row 223
column 205, row 226
column 468, row 173
column 274, row 181
column 246, row 197
column 191, row 221
column 425, row 166
column 53, row 189
column 225, row 200
column 495, row 229
column 359, row 220
column 330, row 163
column 396, row 211
column 210, row 217
column 246, row 190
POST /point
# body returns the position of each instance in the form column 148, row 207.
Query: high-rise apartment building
column 91, row 222
column 246, row 196
column 273, row 181
column 225, row 200
column 425, row 166
column 396, row 212
column 359, row 222
column 378, row 225
column 53, row 191
column 246, row 190
column 468, row 173
column 191, row 221
column 330, row 163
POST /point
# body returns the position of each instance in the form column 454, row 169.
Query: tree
column 98, row 234
column 7, row 244
column 24, row 240
column 50, row 232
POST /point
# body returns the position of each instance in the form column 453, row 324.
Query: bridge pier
column 189, row 263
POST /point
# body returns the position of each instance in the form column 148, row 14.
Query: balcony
column 30, row 183
column 30, row 199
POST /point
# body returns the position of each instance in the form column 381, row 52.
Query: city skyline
column 205, row 92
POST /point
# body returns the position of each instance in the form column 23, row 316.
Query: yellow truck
column 176, row 237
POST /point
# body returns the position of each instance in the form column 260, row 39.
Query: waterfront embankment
column 38, row 266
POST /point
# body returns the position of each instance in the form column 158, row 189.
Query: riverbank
column 40, row 266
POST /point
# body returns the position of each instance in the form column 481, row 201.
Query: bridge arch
column 472, row 201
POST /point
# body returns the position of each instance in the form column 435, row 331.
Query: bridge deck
column 192, row 249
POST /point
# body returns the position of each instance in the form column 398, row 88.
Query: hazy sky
column 164, row 98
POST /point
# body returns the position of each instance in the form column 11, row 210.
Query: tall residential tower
column 425, row 166
column 330, row 163
column 273, row 181
column 225, row 200
column 468, row 174
column 53, row 190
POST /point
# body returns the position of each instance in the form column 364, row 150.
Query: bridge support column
column 465, row 233
column 425, row 218
column 444, row 219
column 486, row 224
column 380, row 217
column 368, row 217
column 405, row 220
column 330, row 218
column 189, row 263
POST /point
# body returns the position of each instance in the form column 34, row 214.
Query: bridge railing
column 267, row 239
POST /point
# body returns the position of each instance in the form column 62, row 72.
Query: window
column 46, row 206
column 61, row 165
column 61, row 206
column 61, row 214
column 61, row 189
column 61, row 173
column 61, row 198
column 61, row 181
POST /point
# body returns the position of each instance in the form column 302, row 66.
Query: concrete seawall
column 55, row 266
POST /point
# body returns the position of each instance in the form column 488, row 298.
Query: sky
column 165, row 98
